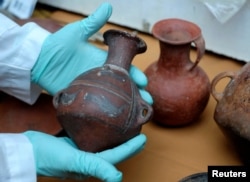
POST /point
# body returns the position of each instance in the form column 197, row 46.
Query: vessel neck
column 121, row 52
column 174, row 55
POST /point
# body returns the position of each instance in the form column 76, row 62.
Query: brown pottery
column 48, row 24
column 232, row 112
column 102, row 108
column 17, row 116
column 179, row 87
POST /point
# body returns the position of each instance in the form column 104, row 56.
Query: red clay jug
column 179, row 87
column 232, row 112
column 102, row 108
column 18, row 116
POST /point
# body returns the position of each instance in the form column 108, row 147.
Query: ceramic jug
column 179, row 87
column 18, row 116
column 102, row 108
column 232, row 112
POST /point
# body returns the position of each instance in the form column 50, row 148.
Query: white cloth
column 19, row 49
column 17, row 162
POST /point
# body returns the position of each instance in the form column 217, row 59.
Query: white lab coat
column 19, row 49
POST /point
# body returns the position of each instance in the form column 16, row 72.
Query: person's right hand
column 67, row 53
column 60, row 157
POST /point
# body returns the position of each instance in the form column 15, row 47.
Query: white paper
column 22, row 8
column 223, row 10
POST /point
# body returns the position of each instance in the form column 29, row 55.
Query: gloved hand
column 59, row 157
column 67, row 53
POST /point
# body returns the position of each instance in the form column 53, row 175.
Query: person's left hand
column 59, row 157
column 67, row 53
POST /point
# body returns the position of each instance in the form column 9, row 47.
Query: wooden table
column 173, row 153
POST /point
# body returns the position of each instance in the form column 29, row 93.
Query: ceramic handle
column 63, row 98
column 56, row 99
column 216, row 79
column 145, row 111
column 200, row 45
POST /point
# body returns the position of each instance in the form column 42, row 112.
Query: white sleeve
column 17, row 161
column 19, row 50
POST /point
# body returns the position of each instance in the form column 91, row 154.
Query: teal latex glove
column 59, row 157
column 67, row 53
